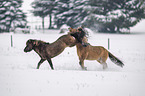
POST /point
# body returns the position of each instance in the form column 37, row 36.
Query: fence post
column 108, row 43
column 11, row 41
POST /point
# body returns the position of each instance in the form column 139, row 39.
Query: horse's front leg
column 40, row 62
column 82, row 57
column 82, row 64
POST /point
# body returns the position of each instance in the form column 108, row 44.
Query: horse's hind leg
column 40, row 62
column 103, row 63
column 50, row 63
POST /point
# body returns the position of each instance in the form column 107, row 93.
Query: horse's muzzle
column 27, row 49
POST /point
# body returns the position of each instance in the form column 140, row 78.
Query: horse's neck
column 79, row 46
column 40, row 48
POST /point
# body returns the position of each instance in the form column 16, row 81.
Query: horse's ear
column 35, row 42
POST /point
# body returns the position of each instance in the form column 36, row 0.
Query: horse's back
column 95, row 52
column 60, row 44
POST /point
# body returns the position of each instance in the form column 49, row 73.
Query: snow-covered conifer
column 11, row 15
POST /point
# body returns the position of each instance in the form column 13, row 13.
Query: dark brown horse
column 86, row 51
column 47, row 51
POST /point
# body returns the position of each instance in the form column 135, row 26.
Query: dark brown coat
column 47, row 51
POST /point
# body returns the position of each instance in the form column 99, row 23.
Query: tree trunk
column 50, row 21
column 118, row 29
column 43, row 23
column 8, row 27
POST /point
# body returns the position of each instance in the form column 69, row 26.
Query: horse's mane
column 79, row 35
column 41, row 42
column 82, row 33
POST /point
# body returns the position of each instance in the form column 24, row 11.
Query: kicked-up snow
column 19, row 76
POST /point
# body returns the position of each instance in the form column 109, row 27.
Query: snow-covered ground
column 19, row 76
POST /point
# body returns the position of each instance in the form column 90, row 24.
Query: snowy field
column 19, row 76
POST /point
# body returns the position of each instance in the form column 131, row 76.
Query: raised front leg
column 40, row 62
column 50, row 63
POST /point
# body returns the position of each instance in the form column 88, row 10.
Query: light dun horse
column 90, row 52
column 47, row 51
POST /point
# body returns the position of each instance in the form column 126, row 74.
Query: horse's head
column 30, row 45
column 69, row 40
column 80, row 35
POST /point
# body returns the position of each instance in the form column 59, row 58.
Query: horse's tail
column 115, row 60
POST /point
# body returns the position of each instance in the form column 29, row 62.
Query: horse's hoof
column 85, row 68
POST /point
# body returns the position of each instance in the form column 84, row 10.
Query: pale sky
column 27, row 5
column 140, row 27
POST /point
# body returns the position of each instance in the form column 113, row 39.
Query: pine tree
column 79, row 13
column 11, row 15
column 70, row 12
column 114, row 15
column 60, row 13
column 43, row 8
